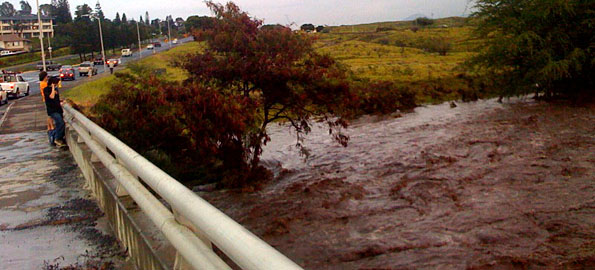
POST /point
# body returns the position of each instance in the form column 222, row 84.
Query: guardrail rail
column 193, row 225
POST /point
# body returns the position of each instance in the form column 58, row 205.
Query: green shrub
column 424, row 21
column 383, row 98
column 438, row 45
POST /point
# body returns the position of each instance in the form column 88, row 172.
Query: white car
column 175, row 41
column 126, row 53
column 14, row 84
column 3, row 97
column 6, row 53
column 150, row 47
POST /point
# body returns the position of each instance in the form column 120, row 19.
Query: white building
column 26, row 26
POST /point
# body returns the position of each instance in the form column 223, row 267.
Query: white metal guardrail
column 194, row 223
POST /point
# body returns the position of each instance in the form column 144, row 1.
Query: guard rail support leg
column 180, row 263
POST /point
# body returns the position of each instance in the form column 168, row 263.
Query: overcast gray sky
column 329, row 12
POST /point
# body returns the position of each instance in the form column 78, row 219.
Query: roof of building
column 25, row 17
column 12, row 38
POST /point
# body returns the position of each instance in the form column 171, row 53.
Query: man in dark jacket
column 54, row 110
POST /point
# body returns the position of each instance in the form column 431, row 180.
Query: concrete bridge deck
column 47, row 219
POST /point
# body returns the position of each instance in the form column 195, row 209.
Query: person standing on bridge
column 54, row 110
column 43, row 83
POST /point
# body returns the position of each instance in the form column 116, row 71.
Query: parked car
column 98, row 60
column 67, row 73
column 14, row 84
column 150, row 47
column 7, row 52
column 126, row 53
column 87, row 67
column 3, row 97
column 116, row 61
column 50, row 65
column 157, row 44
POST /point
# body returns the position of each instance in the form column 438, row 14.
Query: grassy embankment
column 25, row 58
column 87, row 94
column 395, row 54
column 400, row 55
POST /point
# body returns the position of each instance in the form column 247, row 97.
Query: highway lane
column 32, row 77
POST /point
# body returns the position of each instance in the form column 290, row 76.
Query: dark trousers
column 58, row 132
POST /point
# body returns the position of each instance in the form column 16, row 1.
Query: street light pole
column 102, row 49
column 168, row 31
column 41, row 36
column 140, row 48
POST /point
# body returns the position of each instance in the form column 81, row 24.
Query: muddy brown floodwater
column 480, row 186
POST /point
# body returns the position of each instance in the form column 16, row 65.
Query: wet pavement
column 47, row 219
column 480, row 186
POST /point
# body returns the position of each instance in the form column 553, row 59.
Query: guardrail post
column 120, row 191
column 180, row 263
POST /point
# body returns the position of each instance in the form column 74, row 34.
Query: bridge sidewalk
column 47, row 218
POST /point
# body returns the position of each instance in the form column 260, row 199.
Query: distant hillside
column 414, row 16
column 371, row 27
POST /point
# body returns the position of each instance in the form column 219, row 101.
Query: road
column 33, row 76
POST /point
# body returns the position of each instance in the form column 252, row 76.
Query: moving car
column 157, row 44
column 150, row 47
column 175, row 41
column 86, row 68
column 13, row 84
column 98, row 60
column 116, row 62
column 50, row 65
column 126, row 53
column 67, row 73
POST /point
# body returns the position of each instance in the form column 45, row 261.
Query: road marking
column 6, row 114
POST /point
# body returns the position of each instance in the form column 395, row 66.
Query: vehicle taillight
column 11, row 86
column 61, row 75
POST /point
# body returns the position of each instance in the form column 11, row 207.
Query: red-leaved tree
column 192, row 132
column 277, row 69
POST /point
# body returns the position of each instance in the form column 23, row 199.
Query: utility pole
column 169, row 31
column 100, row 37
column 41, row 36
column 140, row 48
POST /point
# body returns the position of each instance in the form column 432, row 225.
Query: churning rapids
column 480, row 186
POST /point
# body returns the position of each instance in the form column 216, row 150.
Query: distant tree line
column 81, row 33
column 308, row 27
